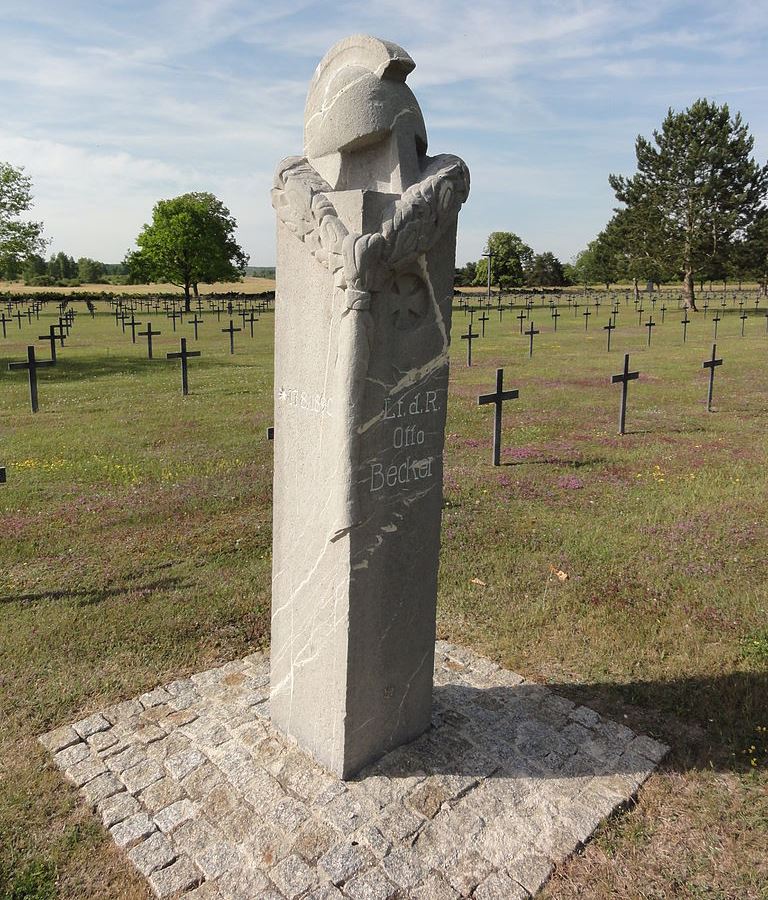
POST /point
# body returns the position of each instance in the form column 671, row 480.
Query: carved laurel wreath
column 359, row 261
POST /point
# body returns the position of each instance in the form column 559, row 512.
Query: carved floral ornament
column 362, row 263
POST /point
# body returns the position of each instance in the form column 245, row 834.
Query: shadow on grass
column 558, row 461
column 709, row 722
column 80, row 369
column 96, row 595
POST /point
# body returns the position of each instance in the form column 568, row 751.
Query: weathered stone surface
column 176, row 814
column 499, row 818
column 154, row 853
column 343, row 861
column 59, row 739
column 117, row 808
column 499, row 886
column 86, row 770
column 365, row 260
column 132, row 830
column 179, row 876
column 370, row 885
column 293, row 876
column 93, row 724
column 101, row 787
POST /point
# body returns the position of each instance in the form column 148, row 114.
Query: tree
column 18, row 239
column 189, row 241
column 90, row 271
column 466, row 275
column 511, row 259
column 601, row 260
column 696, row 191
column 546, row 271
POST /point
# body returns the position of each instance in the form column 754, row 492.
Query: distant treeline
column 63, row 270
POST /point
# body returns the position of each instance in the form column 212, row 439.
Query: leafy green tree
column 189, row 241
column 465, row 275
column 546, row 271
column 90, row 271
column 34, row 267
column 696, row 190
column 511, row 259
column 18, row 239
column 601, row 261
column 61, row 267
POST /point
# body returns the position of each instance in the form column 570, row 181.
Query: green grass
column 135, row 534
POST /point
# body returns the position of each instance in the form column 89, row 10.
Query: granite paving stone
column 179, row 876
column 370, row 885
column 132, row 830
column 102, row 787
column 293, row 876
column 117, row 808
column 85, row 770
column 499, row 886
column 60, row 738
column 176, row 814
column 510, row 781
column 154, row 853
column 93, row 724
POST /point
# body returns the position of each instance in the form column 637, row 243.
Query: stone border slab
column 210, row 802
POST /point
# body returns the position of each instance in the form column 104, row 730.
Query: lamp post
column 490, row 257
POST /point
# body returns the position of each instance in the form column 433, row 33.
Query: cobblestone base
column 211, row 803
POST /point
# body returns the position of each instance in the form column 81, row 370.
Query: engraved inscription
column 405, row 435
column 317, row 404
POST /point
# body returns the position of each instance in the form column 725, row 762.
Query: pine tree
column 696, row 191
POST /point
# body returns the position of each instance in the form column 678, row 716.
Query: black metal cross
column 625, row 377
column 5, row 320
column 52, row 337
column 587, row 313
column 469, row 337
column 195, row 322
column 149, row 334
column 522, row 317
column 183, row 355
column 715, row 320
column 531, row 331
column 609, row 328
column 134, row 324
column 175, row 314
column 555, row 317
column 685, row 322
column 231, row 332
column 663, row 308
column 649, row 325
column 32, row 365
column 251, row 319
column 497, row 398
column 710, row 364
column 743, row 318
column 18, row 315
column 483, row 319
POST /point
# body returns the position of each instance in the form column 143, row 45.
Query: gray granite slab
column 508, row 782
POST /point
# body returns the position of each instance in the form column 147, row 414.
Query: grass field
column 135, row 535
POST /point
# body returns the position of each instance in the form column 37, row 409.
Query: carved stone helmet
column 358, row 98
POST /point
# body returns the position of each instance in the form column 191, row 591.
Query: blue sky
column 112, row 105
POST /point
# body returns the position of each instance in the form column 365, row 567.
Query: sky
column 111, row 106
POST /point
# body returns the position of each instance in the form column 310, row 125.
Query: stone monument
column 366, row 231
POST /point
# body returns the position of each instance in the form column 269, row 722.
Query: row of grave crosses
column 500, row 396
column 531, row 332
